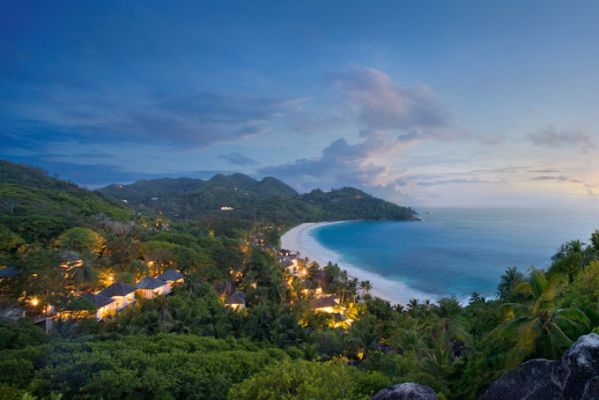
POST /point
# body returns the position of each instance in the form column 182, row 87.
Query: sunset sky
column 425, row 103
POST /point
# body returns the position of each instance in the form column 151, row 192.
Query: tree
column 542, row 328
column 570, row 259
column 310, row 380
column 508, row 281
column 84, row 274
column 82, row 240
column 366, row 287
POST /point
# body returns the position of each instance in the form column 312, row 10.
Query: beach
column 299, row 239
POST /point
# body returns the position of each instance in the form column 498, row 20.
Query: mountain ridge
column 251, row 198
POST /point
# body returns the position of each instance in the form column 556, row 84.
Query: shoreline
column 299, row 239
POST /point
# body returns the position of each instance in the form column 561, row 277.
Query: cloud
column 552, row 137
column 342, row 163
column 558, row 178
column 192, row 119
column 383, row 105
column 390, row 118
column 237, row 159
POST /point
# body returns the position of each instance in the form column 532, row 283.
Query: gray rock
column 574, row 377
column 406, row 391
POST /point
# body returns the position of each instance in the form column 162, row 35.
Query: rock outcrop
column 406, row 391
column 574, row 377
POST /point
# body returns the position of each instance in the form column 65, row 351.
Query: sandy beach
column 301, row 240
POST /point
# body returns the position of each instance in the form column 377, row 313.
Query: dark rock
column 406, row 391
column 574, row 377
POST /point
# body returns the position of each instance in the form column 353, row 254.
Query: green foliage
column 82, row 240
column 268, row 200
column 150, row 367
column 309, row 380
column 508, row 282
column 542, row 327
column 39, row 208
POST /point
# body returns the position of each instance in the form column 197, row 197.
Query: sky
column 424, row 103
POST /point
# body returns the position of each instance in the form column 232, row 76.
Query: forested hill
column 268, row 200
column 35, row 206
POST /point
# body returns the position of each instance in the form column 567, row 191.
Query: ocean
column 450, row 251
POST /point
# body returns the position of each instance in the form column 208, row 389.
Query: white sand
column 300, row 239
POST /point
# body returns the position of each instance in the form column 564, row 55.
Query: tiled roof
column 171, row 275
column 8, row 272
column 236, row 298
column 328, row 301
column 97, row 300
column 150, row 283
column 118, row 289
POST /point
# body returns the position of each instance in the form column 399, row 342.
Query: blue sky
column 429, row 103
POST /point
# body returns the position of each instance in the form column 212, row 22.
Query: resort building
column 149, row 287
column 122, row 293
column 172, row 277
column 236, row 301
column 104, row 306
column 8, row 272
column 327, row 304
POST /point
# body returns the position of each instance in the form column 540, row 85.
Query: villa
column 122, row 293
column 104, row 305
column 149, row 287
column 172, row 277
column 327, row 304
column 236, row 301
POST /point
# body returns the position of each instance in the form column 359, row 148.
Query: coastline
column 300, row 239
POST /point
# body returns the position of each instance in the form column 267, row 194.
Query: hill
column 38, row 207
column 242, row 197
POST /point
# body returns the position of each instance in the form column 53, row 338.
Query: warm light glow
column 34, row 301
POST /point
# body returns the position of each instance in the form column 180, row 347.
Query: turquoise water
column 457, row 251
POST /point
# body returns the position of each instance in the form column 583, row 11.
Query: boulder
column 406, row 391
column 574, row 377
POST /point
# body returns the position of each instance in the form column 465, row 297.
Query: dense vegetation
column 268, row 200
column 35, row 206
column 190, row 345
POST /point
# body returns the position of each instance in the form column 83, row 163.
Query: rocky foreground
column 574, row 377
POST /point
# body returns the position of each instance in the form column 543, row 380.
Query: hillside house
column 123, row 294
column 327, row 304
column 172, row 277
column 236, row 301
column 104, row 306
column 149, row 287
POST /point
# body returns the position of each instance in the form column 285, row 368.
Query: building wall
column 146, row 293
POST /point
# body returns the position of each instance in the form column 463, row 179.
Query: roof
column 328, row 301
column 171, row 275
column 8, row 272
column 97, row 300
column 287, row 262
column 236, row 298
column 150, row 283
column 118, row 289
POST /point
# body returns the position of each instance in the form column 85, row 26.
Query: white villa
column 122, row 293
column 149, row 287
column 104, row 305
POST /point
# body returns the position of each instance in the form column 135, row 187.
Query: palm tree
column 541, row 327
column 366, row 287
column 84, row 274
column 413, row 307
column 509, row 280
